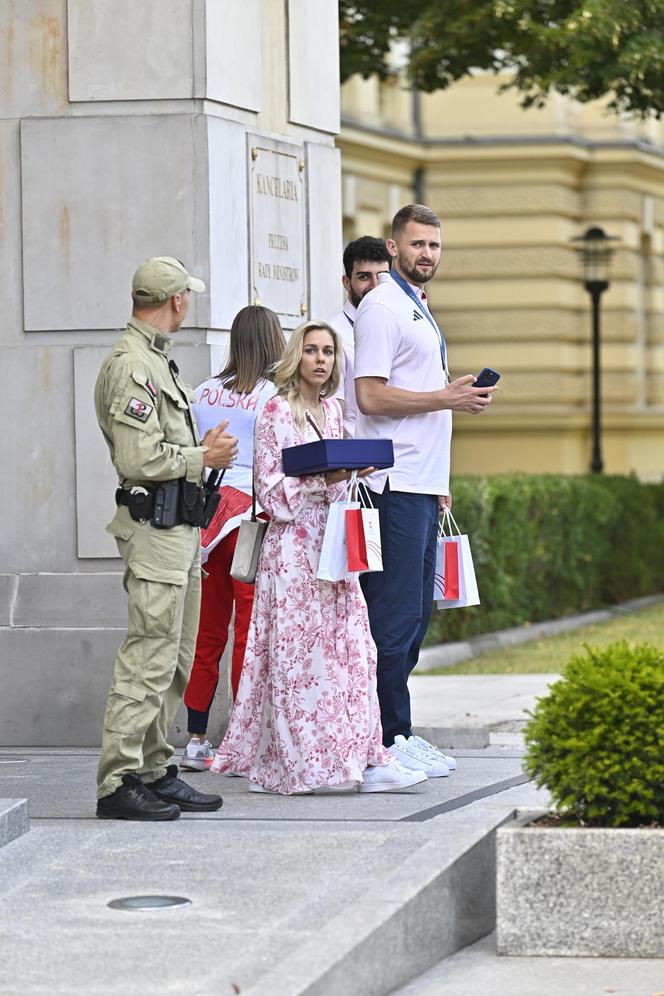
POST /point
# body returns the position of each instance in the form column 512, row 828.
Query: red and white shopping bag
column 455, row 584
column 371, row 526
column 356, row 547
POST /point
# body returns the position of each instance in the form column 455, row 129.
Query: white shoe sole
column 441, row 760
column 187, row 764
column 417, row 777
column 421, row 764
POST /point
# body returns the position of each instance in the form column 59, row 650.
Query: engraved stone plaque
column 277, row 251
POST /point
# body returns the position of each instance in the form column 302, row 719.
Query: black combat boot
column 170, row 788
column 134, row 801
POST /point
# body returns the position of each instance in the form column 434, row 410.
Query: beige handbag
column 248, row 546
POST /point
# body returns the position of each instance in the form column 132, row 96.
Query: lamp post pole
column 596, row 464
column 596, row 252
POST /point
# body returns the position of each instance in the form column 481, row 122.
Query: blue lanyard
column 409, row 290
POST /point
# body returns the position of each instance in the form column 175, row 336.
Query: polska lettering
column 223, row 398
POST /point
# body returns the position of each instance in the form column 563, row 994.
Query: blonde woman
column 306, row 716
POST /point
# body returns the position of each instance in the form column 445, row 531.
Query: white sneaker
column 409, row 753
column 435, row 753
column 197, row 756
column 390, row 778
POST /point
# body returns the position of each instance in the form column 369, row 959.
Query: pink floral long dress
column 306, row 714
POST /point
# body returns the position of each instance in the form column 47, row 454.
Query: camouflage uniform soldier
column 144, row 411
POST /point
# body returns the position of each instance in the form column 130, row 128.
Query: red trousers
column 219, row 592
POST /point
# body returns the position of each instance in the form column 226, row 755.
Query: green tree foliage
column 595, row 741
column 587, row 49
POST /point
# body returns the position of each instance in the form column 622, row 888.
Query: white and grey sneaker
column 390, row 778
column 411, row 755
column 197, row 756
column 435, row 753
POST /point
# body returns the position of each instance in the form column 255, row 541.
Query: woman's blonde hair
column 257, row 343
column 286, row 375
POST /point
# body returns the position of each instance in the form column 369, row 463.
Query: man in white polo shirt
column 364, row 259
column 404, row 393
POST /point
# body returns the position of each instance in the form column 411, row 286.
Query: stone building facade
column 128, row 130
column 512, row 188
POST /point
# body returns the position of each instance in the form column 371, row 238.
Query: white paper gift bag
column 467, row 582
column 333, row 563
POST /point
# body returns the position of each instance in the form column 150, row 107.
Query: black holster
column 192, row 503
column 171, row 503
column 139, row 503
column 166, row 505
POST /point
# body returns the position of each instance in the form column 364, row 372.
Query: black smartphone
column 487, row 378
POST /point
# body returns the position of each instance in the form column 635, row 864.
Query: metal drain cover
column 147, row 903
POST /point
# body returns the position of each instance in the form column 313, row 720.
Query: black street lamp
column 596, row 252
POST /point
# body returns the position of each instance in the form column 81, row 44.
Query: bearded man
column 404, row 393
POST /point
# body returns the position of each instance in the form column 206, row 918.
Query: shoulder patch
column 138, row 409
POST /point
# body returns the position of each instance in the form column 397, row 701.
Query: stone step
column 435, row 902
column 14, row 819
column 455, row 737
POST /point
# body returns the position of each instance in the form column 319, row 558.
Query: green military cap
column 160, row 278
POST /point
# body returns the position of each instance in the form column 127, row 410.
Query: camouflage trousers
column 163, row 583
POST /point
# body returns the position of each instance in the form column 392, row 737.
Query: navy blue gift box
column 335, row 454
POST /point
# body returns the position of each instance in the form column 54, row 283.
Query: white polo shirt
column 343, row 324
column 394, row 340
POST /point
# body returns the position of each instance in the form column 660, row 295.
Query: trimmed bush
column 546, row 546
column 596, row 741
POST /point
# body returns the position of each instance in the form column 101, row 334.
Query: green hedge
column 546, row 546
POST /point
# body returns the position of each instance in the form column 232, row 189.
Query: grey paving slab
column 475, row 700
column 315, row 892
column 455, row 737
column 253, row 891
column 274, row 903
column 284, row 891
column 60, row 787
column 479, row 970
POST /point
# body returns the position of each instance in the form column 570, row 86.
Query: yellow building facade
column 512, row 187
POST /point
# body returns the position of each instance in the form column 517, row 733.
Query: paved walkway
column 478, row 970
column 496, row 701
column 315, row 894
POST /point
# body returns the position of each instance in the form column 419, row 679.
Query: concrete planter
column 579, row 891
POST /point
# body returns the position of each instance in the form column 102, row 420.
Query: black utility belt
column 170, row 503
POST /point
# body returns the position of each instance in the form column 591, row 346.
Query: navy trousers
column 400, row 598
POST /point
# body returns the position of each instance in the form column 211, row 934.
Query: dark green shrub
column 596, row 740
column 546, row 546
